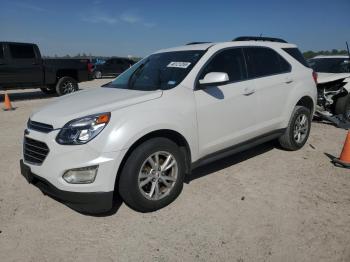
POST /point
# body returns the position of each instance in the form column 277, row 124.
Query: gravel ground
column 264, row 204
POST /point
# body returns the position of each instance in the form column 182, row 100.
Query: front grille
column 34, row 151
column 40, row 127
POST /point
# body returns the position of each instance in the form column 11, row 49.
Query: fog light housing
column 83, row 175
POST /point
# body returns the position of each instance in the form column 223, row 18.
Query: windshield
column 158, row 71
column 330, row 65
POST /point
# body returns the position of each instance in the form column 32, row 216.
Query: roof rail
column 197, row 43
column 259, row 38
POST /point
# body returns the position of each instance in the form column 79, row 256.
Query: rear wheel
column 97, row 75
column 298, row 129
column 342, row 107
column 66, row 85
column 153, row 175
column 48, row 90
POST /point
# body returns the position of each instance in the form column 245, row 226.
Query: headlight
column 82, row 130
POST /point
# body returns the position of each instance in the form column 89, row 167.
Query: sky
column 137, row 28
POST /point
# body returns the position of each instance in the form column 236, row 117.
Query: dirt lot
column 265, row 204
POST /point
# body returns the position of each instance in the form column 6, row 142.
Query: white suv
column 143, row 133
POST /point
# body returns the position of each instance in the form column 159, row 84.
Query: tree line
column 307, row 55
column 86, row 56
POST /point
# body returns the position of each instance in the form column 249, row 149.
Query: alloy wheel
column 68, row 87
column 158, row 175
column 301, row 128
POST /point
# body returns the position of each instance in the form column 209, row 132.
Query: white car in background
column 143, row 133
column 333, row 85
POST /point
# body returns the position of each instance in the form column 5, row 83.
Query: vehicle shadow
column 117, row 203
column 203, row 171
column 26, row 95
column 230, row 161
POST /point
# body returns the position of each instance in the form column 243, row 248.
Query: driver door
column 226, row 114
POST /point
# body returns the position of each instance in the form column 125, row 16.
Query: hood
column 91, row 101
column 330, row 77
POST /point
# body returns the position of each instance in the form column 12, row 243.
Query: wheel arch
column 172, row 135
column 67, row 72
column 307, row 102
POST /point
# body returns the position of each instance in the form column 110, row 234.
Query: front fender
column 170, row 112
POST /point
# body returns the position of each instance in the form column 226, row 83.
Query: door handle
column 248, row 91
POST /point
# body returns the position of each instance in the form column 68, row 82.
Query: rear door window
column 230, row 61
column 263, row 61
column 20, row 51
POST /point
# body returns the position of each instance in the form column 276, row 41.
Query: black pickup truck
column 21, row 66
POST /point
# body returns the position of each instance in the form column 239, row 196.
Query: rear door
column 273, row 81
column 226, row 114
column 25, row 64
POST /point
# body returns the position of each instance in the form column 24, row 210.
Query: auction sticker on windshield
column 179, row 64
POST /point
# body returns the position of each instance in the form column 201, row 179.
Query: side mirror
column 214, row 78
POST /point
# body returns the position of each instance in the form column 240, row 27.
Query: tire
column 290, row 140
column 97, row 75
column 135, row 187
column 48, row 90
column 342, row 107
column 66, row 85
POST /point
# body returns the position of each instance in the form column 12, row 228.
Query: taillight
column 314, row 76
column 90, row 67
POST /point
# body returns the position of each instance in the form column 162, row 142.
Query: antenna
column 347, row 47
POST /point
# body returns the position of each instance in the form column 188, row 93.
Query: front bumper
column 62, row 158
column 86, row 202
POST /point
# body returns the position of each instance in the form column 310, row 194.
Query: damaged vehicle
column 333, row 84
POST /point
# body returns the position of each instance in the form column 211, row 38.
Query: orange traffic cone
column 7, row 102
column 344, row 159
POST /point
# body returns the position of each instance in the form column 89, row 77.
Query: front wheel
column 66, row 85
column 298, row 129
column 153, row 175
column 342, row 107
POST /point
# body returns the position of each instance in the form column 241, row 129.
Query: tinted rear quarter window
column 297, row 55
column 19, row 51
column 230, row 61
column 1, row 52
column 263, row 61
